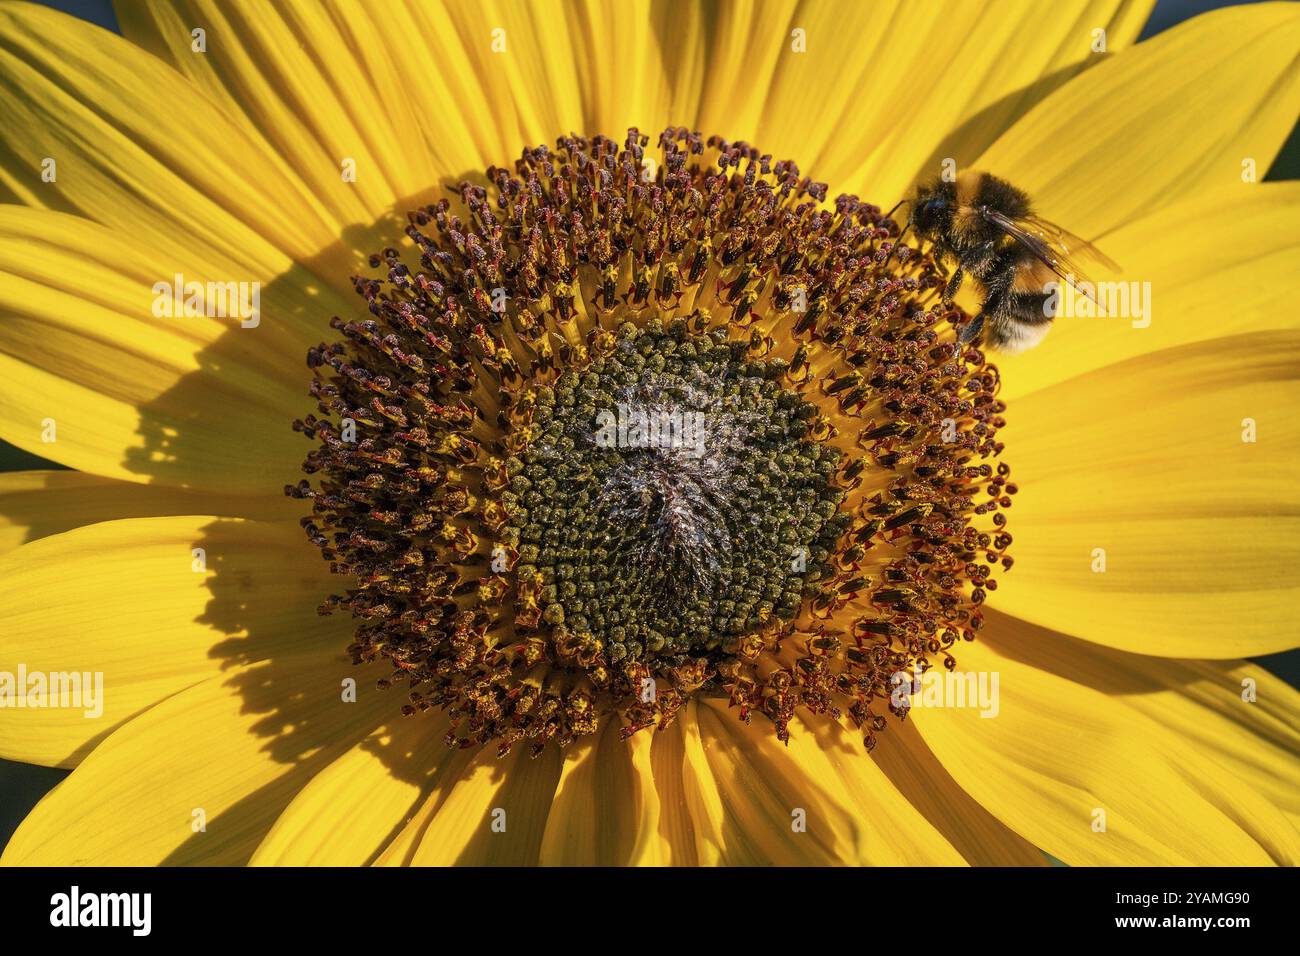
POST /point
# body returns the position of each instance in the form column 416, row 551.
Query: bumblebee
column 988, row 228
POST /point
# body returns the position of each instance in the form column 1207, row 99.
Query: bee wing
column 1060, row 250
column 1073, row 246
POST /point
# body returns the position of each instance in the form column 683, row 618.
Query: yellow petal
column 981, row 838
column 743, row 42
column 400, row 850
column 409, row 98
column 1203, row 284
column 816, row 801
column 122, row 598
column 463, row 84
column 704, row 803
column 92, row 378
column 201, row 777
column 651, row 847
column 1173, row 117
column 868, row 99
column 606, row 810
column 36, row 504
column 494, row 813
column 1094, row 781
column 640, row 63
column 674, row 837
column 351, row 809
column 861, row 107
column 1240, row 715
column 139, row 147
column 1141, row 469
column 335, row 90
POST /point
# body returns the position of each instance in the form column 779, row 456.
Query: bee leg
column 971, row 331
column 950, row 290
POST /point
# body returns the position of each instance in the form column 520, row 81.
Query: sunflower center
column 619, row 432
column 671, row 497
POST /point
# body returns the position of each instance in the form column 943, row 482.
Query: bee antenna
column 898, row 241
column 901, row 202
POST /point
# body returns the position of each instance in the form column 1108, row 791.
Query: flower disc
column 627, row 432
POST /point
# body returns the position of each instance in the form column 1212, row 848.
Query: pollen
column 621, row 430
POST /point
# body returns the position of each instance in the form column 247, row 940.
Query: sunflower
column 630, row 463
